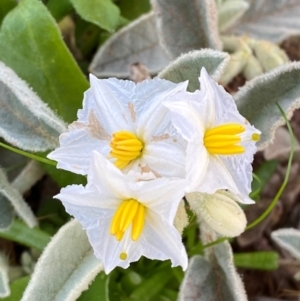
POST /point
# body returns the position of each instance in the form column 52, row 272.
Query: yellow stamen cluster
column 129, row 212
column 224, row 139
column 125, row 147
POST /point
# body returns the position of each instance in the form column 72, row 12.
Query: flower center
column 224, row 139
column 125, row 147
column 129, row 212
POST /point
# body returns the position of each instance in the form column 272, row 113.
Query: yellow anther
column 227, row 129
column 224, row 139
column 123, row 256
column 138, row 222
column 125, row 147
column 255, row 137
column 115, row 221
column 130, row 212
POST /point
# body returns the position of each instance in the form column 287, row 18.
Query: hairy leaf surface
column 75, row 267
column 137, row 42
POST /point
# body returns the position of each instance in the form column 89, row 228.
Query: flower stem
column 28, row 155
column 286, row 178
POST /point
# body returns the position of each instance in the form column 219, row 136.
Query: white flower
column 125, row 219
column 220, row 211
column 127, row 123
column 221, row 141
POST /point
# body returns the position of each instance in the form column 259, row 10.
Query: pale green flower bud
column 220, row 211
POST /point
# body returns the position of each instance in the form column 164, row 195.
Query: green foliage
column 15, row 198
column 263, row 173
column 72, row 253
column 103, row 13
column 288, row 239
column 213, row 277
column 183, row 27
column 259, row 19
column 43, row 61
column 188, row 66
column 59, row 8
column 26, row 121
column 134, row 8
column 6, row 213
column 126, row 47
column 257, row 260
column 98, row 290
column 17, row 288
column 22, row 234
column 257, row 100
column 5, row 7
column 4, row 287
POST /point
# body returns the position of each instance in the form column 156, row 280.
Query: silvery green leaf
column 6, row 213
column 137, row 42
column 26, row 122
column 188, row 66
column 16, row 200
column 257, row 99
column 4, row 287
column 183, row 26
column 212, row 278
column 288, row 239
column 272, row 20
column 32, row 172
column 230, row 12
column 66, row 267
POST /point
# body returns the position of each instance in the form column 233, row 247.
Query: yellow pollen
column 255, row 137
column 123, row 256
column 129, row 212
column 224, row 139
column 125, row 147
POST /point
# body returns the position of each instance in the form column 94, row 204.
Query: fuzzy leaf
column 17, row 201
column 188, row 66
column 184, row 27
column 103, row 13
column 257, row 99
column 137, row 42
column 75, row 267
column 288, row 239
column 6, row 213
column 26, row 122
column 230, row 12
column 212, row 279
column 43, row 61
column 4, row 287
column 272, row 20
column 17, row 288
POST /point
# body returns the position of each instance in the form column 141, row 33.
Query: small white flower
column 220, row 211
column 221, row 142
column 127, row 123
column 125, row 219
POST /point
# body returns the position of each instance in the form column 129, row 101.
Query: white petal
column 165, row 158
column 107, row 178
column 87, row 197
column 112, row 97
column 220, row 211
column 161, row 196
column 153, row 116
column 75, row 151
column 162, row 241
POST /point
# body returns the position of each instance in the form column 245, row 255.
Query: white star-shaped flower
column 221, row 142
column 127, row 123
column 124, row 218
